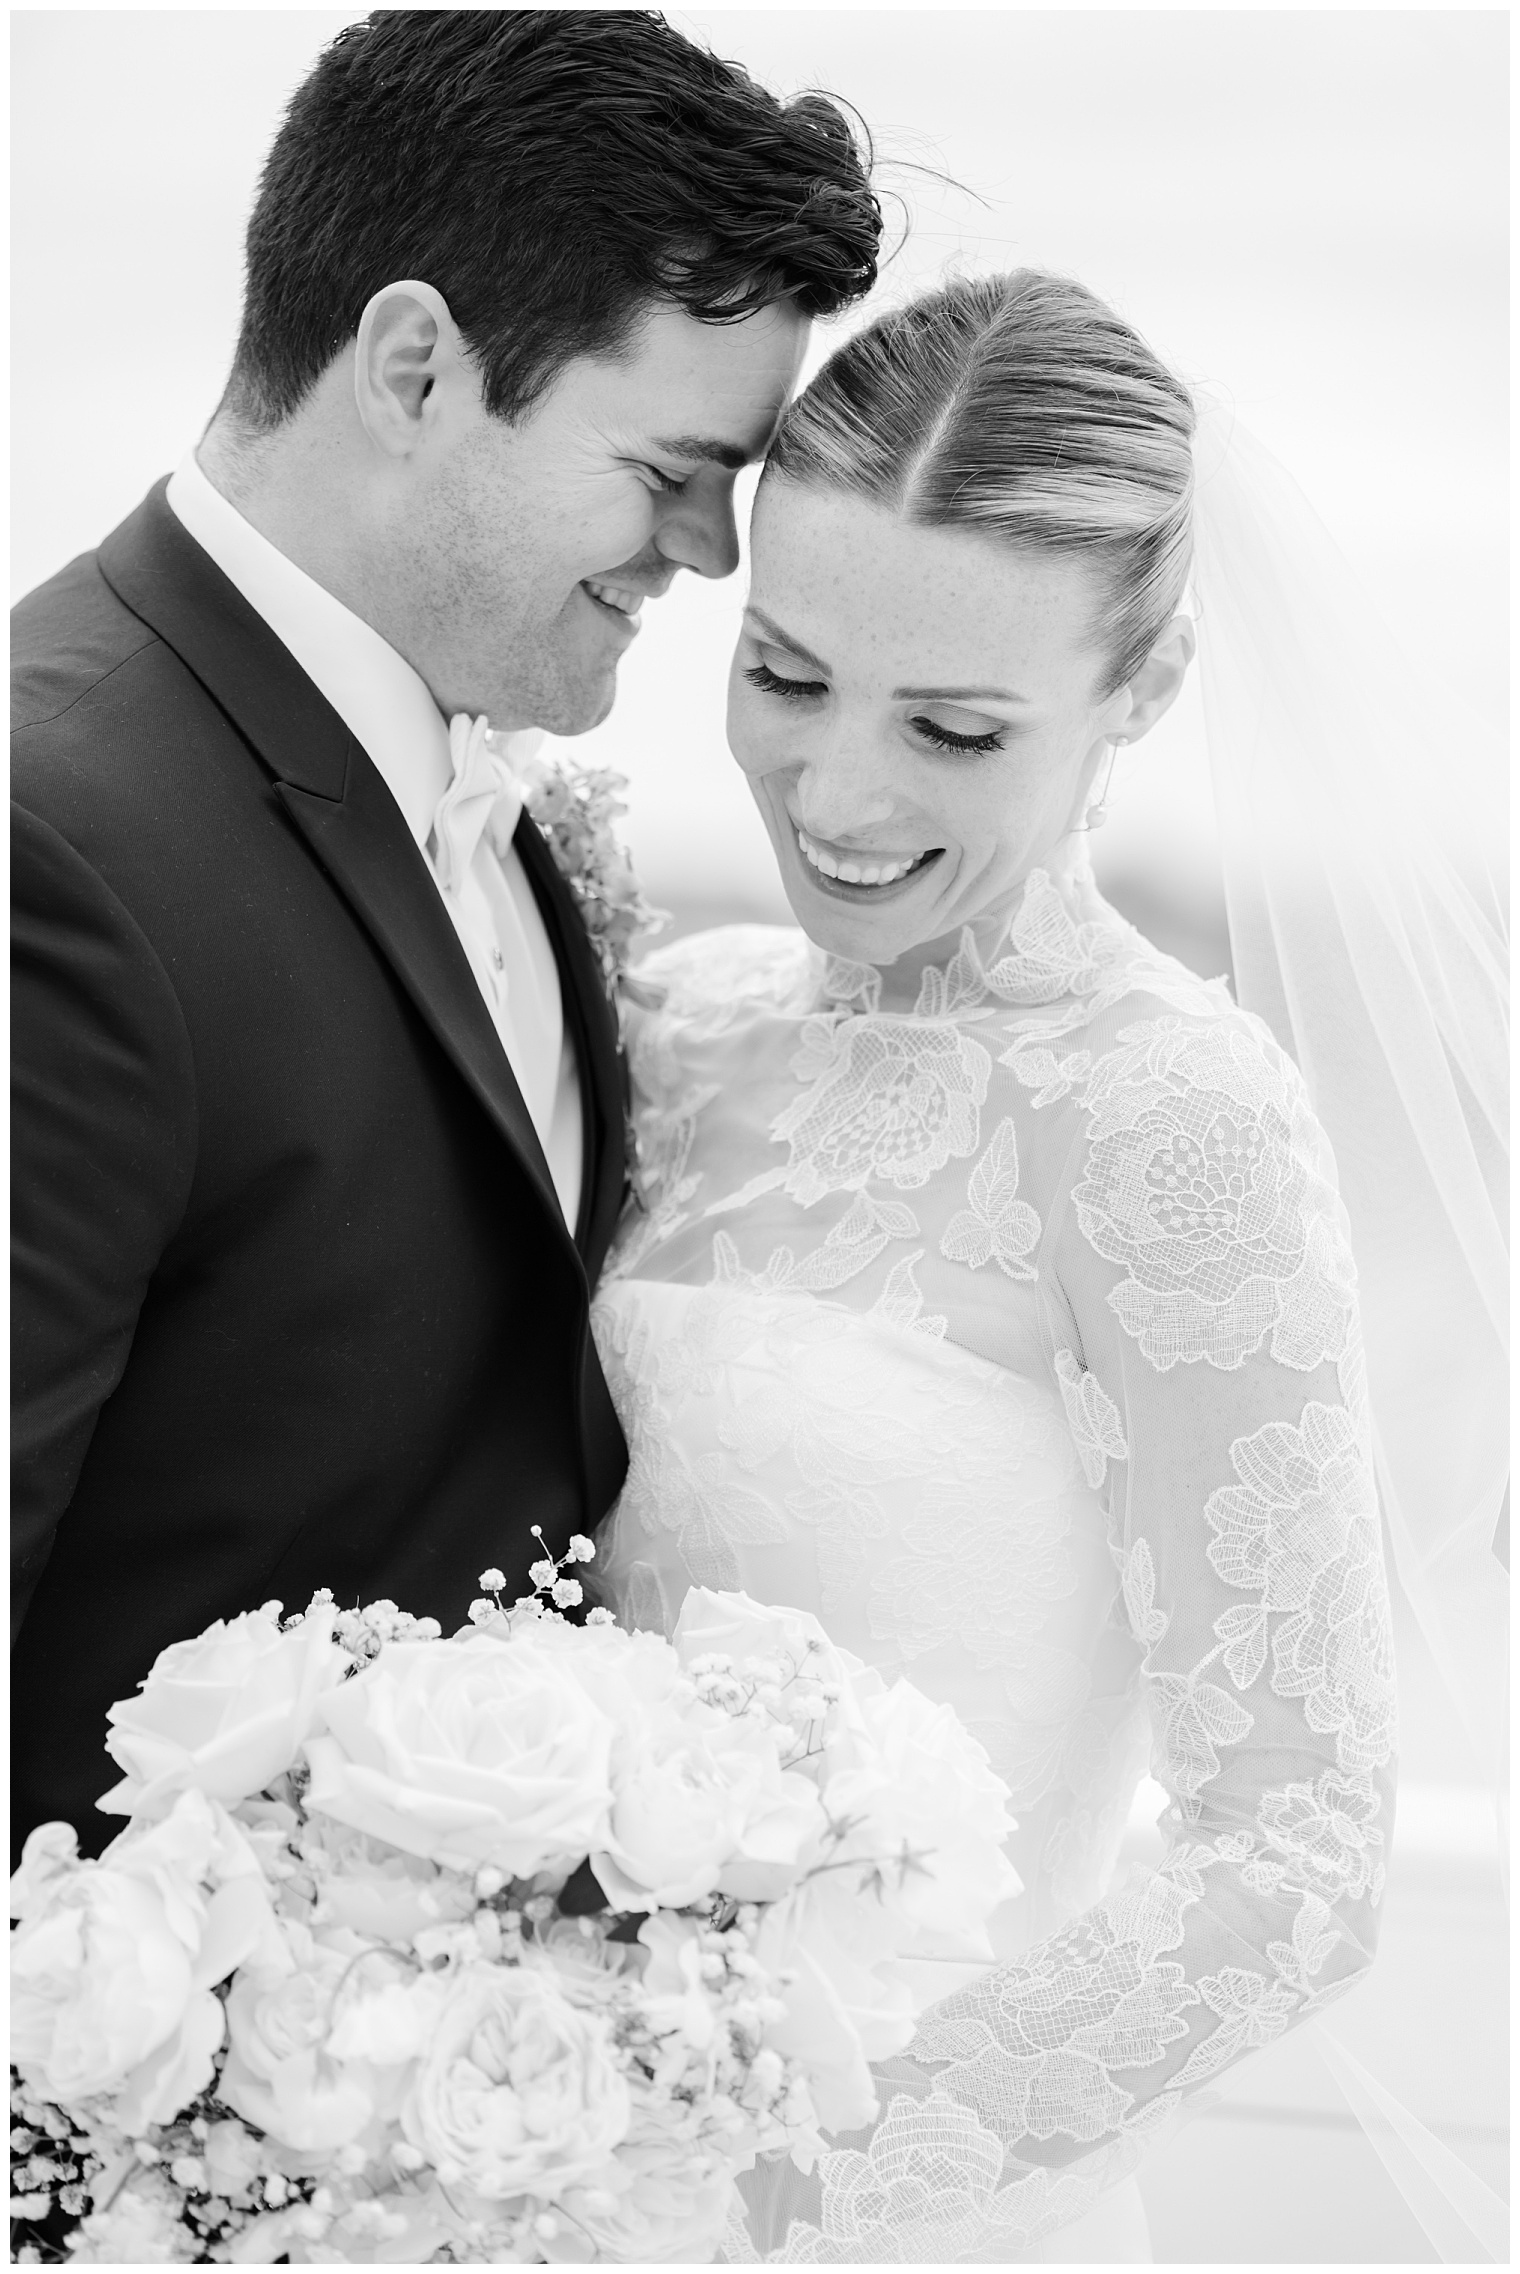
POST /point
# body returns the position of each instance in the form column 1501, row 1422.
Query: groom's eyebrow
column 706, row 450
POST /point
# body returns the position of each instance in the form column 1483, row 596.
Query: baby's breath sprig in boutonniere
column 576, row 807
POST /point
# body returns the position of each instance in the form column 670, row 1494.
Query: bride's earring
column 1097, row 813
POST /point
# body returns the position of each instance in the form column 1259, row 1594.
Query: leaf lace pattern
column 1015, row 1335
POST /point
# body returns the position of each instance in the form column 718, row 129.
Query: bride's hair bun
column 1021, row 407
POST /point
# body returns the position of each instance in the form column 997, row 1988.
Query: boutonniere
column 577, row 809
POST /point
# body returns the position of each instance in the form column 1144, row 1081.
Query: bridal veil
column 1354, row 807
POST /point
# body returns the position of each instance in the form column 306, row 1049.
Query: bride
column 993, row 1298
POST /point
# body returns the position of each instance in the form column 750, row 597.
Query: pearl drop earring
column 1097, row 813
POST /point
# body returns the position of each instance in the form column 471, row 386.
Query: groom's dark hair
column 553, row 173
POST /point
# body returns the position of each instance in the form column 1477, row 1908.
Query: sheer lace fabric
column 1016, row 1337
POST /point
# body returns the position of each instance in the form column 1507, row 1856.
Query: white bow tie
column 485, row 793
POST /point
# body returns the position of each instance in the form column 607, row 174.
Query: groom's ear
column 407, row 345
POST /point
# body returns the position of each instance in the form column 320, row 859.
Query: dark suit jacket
column 295, row 1305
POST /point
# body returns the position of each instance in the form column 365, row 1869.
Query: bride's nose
column 844, row 790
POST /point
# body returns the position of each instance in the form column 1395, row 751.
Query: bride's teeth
column 855, row 872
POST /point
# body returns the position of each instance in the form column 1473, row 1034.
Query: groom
column 317, row 1138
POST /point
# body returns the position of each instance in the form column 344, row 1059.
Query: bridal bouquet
column 511, row 1948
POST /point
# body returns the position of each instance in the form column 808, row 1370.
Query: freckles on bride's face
column 917, row 711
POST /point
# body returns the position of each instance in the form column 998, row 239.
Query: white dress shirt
column 390, row 713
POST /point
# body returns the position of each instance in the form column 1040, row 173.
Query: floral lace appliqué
column 1300, row 1532
column 1203, row 1181
column 892, row 1099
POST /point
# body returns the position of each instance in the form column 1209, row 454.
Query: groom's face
column 535, row 545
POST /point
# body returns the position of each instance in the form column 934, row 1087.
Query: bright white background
column 1305, row 208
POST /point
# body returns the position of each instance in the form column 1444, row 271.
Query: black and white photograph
column 759, row 1148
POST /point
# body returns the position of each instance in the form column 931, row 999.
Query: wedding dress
column 1014, row 1334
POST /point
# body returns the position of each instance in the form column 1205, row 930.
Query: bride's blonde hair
column 1023, row 408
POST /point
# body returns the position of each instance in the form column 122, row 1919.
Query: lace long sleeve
column 1200, row 1299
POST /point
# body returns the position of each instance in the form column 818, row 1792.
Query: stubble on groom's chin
column 559, row 695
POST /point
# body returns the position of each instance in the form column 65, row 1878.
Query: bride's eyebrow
column 784, row 639
column 955, row 694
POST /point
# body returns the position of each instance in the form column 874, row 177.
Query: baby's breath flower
column 543, row 1574
column 600, row 1618
column 493, row 1580
column 581, row 1549
column 567, row 1593
column 575, row 807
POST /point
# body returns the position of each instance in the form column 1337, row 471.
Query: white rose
column 520, row 2092
column 468, row 1752
column 113, row 1964
column 223, row 1714
column 321, row 2037
column 929, row 1791
column 701, row 1802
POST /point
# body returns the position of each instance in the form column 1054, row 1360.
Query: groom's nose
column 701, row 534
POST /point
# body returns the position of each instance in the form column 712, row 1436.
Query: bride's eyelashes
column 671, row 484
column 771, row 683
column 943, row 739
column 797, row 690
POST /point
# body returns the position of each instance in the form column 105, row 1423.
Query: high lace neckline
column 1060, row 939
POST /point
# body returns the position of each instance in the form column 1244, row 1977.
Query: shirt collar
column 382, row 701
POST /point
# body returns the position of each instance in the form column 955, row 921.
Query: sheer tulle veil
column 1356, row 809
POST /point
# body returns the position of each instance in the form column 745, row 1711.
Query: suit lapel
column 367, row 849
column 593, row 1027
column 337, row 800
